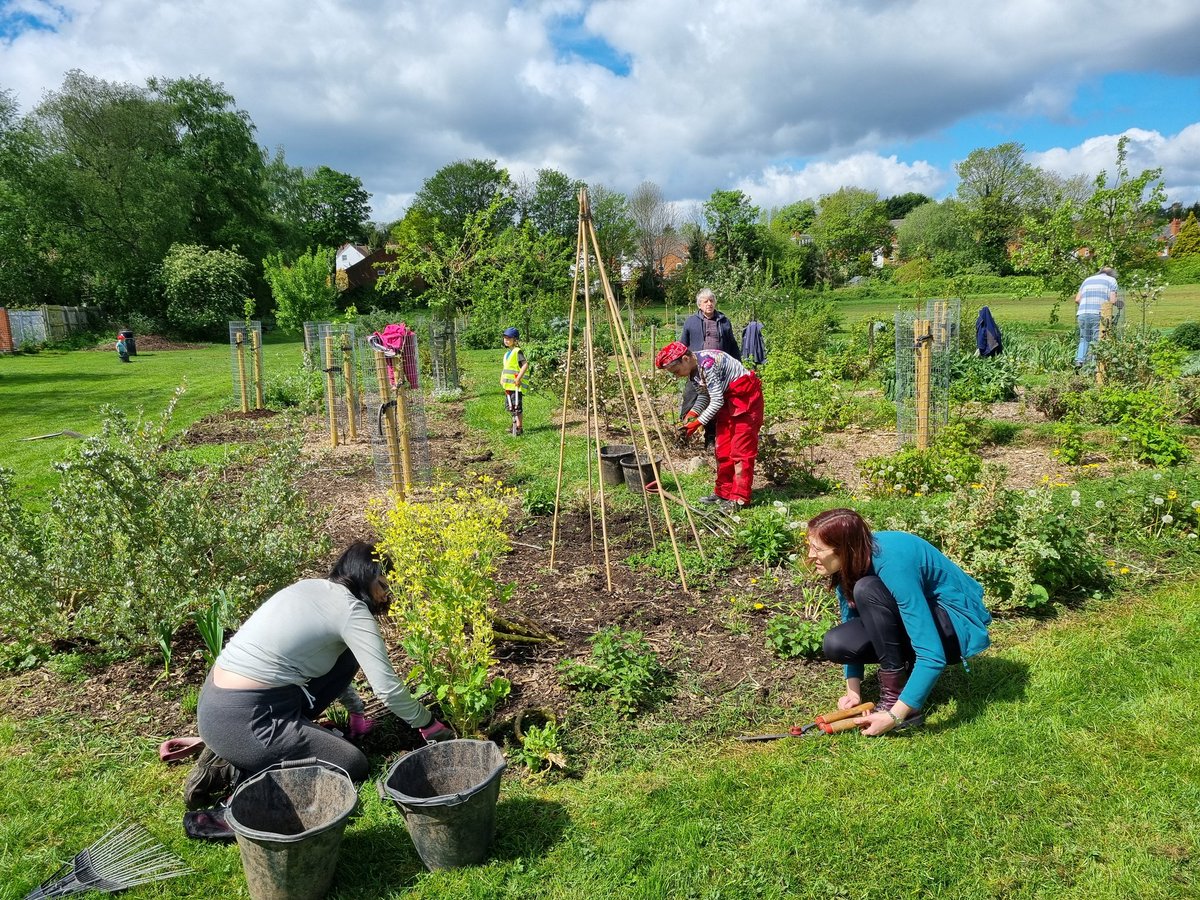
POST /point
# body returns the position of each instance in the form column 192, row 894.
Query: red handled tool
column 827, row 723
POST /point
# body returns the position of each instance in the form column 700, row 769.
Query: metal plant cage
column 443, row 355
column 403, row 375
column 339, row 358
column 926, row 347
column 245, row 364
column 312, row 344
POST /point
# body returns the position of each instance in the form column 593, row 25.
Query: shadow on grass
column 380, row 859
column 991, row 680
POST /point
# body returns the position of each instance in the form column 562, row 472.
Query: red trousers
column 738, row 423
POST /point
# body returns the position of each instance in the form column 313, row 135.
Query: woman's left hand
column 876, row 723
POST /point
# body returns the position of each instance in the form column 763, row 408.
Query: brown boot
column 891, row 683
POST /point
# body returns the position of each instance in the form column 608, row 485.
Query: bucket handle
column 300, row 764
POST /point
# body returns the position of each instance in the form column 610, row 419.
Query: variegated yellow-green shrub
column 444, row 553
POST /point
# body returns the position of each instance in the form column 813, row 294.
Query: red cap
column 668, row 354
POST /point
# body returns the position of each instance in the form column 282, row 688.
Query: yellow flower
column 758, row 606
column 1172, row 495
column 1124, row 570
column 1111, row 562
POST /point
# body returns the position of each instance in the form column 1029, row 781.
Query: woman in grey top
column 292, row 658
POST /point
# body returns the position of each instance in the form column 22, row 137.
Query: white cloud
column 887, row 176
column 717, row 92
column 1177, row 155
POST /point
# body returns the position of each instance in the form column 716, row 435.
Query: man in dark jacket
column 706, row 329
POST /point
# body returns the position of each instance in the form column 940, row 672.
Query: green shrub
column 1187, row 335
column 983, row 379
column 1025, row 552
column 623, row 671
column 790, row 636
column 768, row 534
column 541, row 748
column 134, row 544
column 949, row 462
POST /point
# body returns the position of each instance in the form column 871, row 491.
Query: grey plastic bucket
column 448, row 793
column 610, row 462
column 638, row 471
column 289, row 821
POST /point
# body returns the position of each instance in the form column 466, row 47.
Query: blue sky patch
column 14, row 23
column 570, row 37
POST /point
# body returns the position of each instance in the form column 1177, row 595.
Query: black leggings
column 253, row 729
column 878, row 635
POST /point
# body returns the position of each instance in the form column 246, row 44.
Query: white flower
column 1196, row 504
column 1191, row 536
column 792, row 557
column 949, row 477
column 1158, row 501
column 778, row 504
column 925, row 489
column 1074, row 502
column 1099, row 504
column 1074, row 495
column 897, row 487
column 1158, row 476
column 1168, row 519
column 792, row 526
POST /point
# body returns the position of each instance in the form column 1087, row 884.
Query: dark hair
column 848, row 535
column 357, row 568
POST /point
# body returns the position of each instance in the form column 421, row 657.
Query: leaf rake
column 125, row 857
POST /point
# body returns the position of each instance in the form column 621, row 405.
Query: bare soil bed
column 689, row 631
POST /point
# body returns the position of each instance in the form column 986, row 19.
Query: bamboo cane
column 240, row 350
column 393, row 445
column 615, row 316
column 402, row 428
column 591, row 382
column 562, row 431
column 257, row 353
column 330, row 390
column 351, row 389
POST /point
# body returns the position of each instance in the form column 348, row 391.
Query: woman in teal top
column 905, row 606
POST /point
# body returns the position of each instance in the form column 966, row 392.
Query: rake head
column 122, row 858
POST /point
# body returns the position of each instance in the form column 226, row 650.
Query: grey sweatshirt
column 298, row 634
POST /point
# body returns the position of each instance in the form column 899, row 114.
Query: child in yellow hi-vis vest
column 511, row 373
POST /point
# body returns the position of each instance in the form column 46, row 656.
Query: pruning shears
column 826, row 723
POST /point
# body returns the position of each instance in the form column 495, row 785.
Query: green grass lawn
column 1061, row 766
column 53, row 390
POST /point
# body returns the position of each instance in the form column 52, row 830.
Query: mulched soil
column 149, row 343
column 571, row 601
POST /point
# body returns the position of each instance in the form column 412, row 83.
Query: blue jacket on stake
column 987, row 334
column 919, row 575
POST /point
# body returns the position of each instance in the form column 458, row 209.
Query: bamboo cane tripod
column 634, row 396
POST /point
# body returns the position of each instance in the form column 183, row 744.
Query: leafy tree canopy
column 334, row 208
column 462, row 189
column 901, row 205
column 1187, row 242
column 733, row 226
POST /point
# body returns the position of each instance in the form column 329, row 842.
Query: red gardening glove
column 436, row 731
column 691, row 426
column 359, row 726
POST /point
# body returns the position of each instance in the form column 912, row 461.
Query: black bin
column 130, row 345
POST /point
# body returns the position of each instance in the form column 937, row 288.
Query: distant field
column 53, row 390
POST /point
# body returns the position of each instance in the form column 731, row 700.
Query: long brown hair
column 848, row 535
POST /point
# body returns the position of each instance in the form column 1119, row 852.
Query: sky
column 781, row 100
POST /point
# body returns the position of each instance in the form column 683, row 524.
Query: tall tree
column 901, row 205
column 204, row 289
column 109, row 187
column 1187, row 241
column 733, row 227
column 616, row 232
column 655, row 220
column 851, row 222
column 997, row 189
column 793, row 220
column 216, row 147
column 932, row 231
column 304, row 290
column 550, row 204
column 462, row 189
column 334, row 207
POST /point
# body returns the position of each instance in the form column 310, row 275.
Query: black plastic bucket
column 289, row 821
column 448, row 793
column 638, row 471
column 610, row 462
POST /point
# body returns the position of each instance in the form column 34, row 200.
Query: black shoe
column 210, row 779
column 208, row 825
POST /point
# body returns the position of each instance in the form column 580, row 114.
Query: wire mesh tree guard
column 340, row 362
column 443, row 354
column 650, row 444
column 398, row 430
column 246, row 365
column 926, row 346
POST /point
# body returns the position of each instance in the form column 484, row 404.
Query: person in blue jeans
column 1095, row 291
column 905, row 606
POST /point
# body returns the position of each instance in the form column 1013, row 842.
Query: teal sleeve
column 905, row 580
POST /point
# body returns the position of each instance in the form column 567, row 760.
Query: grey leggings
column 253, row 729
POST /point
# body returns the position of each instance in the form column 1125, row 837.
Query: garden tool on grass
column 123, row 858
column 715, row 520
column 827, row 723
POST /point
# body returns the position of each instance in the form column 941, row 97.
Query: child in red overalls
column 735, row 403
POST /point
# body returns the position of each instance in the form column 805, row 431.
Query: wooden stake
column 240, row 350
column 257, row 354
column 922, row 340
column 330, row 390
column 351, row 389
column 562, row 430
column 595, row 408
column 402, row 428
column 1106, row 317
